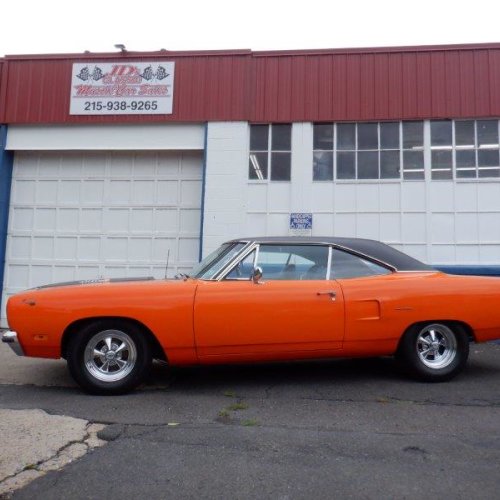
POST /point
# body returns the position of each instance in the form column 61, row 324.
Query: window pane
column 243, row 270
column 280, row 166
column 464, row 133
column 487, row 157
column 368, row 165
column 367, row 136
column 323, row 166
column 346, row 136
column 345, row 265
column 412, row 175
column 413, row 135
column 257, row 166
column 389, row 164
column 346, row 166
column 413, row 160
column 441, row 165
column 466, row 159
column 259, row 137
column 489, row 172
column 282, row 137
column 389, row 136
column 487, row 133
column 281, row 262
column 441, row 133
column 323, row 136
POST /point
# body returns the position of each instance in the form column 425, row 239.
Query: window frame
column 269, row 152
column 255, row 246
column 401, row 150
column 476, row 148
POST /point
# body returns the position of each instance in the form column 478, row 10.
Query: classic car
column 261, row 299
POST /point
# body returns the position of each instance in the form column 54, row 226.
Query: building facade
column 137, row 164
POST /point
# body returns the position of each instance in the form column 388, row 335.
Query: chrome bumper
column 10, row 337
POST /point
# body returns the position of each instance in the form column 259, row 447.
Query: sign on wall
column 122, row 88
column 301, row 224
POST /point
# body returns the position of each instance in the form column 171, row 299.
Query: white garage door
column 83, row 215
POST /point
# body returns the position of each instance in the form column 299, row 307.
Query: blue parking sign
column 301, row 221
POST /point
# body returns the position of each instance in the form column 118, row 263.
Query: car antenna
column 166, row 266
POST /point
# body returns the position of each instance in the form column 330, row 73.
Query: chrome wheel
column 110, row 355
column 436, row 346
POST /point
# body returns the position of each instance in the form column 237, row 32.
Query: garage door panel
column 24, row 192
column 84, row 215
column 141, row 221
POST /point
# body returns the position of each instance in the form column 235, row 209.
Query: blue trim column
column 203, row 183
column 6, row 163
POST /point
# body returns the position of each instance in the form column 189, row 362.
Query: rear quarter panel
column 379, row 309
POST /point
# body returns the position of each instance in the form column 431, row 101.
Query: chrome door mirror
column 257, row 275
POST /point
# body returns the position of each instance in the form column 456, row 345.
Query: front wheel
column 434, row 352
column 109, row 357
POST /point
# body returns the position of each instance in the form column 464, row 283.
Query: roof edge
column 258, row 53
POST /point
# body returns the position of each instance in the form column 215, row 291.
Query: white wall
column 439, row 222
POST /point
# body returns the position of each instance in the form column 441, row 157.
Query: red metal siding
column 322, row 85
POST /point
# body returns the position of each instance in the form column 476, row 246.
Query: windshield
column 214, row 262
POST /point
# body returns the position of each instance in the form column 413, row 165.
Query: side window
column 293, row 262
column 242, row 270
column 346, row 265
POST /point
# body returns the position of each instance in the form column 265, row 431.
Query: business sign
column 122, row 88
column 301, row 221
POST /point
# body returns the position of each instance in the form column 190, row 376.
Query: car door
column 292, row 311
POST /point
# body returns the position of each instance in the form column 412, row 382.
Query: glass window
column 281, row 166
column 389, row 165
column 441, row 164
column 441, row 133
column 243, row 270
column 464, row 134
column 368, row 165
column 282, row 137
column 346, row 265
column 487, row 133
column 368, row 151
column 413, row 164
column 389, row 135
column 259, row 137
column 322, row 166
column 323, row 137
column 367, row 136
column 257, row 166
column 472, row 151
column 270, row 162
column 413, row 135
column 346, row 136
column 214, row 262
column 293, row 262
column 346, row 165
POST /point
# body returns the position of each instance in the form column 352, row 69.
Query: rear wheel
column 434, row 352
column 109, row 357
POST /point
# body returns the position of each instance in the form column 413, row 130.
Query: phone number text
column 120, row 105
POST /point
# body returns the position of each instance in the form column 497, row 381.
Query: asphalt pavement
column 324, row 429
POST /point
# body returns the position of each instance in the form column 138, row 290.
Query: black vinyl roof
column 370, row 248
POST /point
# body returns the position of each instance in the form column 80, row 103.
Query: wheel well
column 468, row 330
column 156, row 348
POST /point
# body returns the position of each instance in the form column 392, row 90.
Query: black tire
column 434, row 351
column 126, row 355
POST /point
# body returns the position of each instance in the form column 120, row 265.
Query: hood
column 92, row 282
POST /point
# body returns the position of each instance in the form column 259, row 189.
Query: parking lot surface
column 325, row 429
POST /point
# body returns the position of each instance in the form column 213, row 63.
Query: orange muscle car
column 313, row 297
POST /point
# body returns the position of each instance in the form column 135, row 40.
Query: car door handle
column 332, row 294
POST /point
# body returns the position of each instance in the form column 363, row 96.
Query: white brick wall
column 440, row 222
